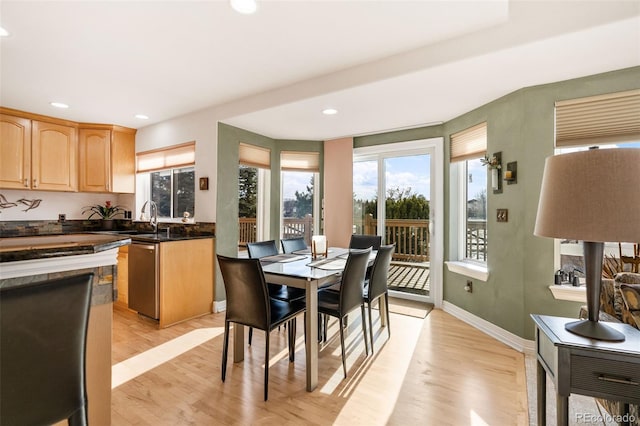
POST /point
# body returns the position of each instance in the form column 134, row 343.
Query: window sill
column 472, row 270
column 569, row 292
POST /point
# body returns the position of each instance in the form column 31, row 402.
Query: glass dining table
column 299, row 270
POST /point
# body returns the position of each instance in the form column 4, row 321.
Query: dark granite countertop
column 160, row 237
column 48, row 246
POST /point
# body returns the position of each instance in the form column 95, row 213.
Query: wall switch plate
column 469, row 287
column 502, row 215
column 62, row 217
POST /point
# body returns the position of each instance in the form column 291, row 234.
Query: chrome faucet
column 153, row 214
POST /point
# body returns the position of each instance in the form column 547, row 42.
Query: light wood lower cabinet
column 186, row 279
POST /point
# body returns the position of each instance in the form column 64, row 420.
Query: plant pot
column 107, row 224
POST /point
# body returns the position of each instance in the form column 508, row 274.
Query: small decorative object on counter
column 185, row 217
column 106, row 212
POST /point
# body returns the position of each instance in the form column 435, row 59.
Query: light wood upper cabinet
column 107, row 159
column 37, row 154
column 15, row 152
column 54, row 163
column 94, row 159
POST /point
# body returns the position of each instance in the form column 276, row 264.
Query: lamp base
column 594, row 330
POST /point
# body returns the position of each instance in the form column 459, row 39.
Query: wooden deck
column 409, row 277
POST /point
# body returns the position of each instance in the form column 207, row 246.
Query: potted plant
column 106, row 212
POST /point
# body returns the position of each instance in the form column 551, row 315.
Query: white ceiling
column 382, row 64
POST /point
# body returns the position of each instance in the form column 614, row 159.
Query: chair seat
column 329, row 302
column 285, row 293
column 282, row 312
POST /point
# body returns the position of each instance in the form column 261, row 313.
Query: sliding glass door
column 394, row 197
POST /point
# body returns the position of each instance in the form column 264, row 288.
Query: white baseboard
column 219, row 306
column 504, row 336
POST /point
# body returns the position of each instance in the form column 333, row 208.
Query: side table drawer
column 614, row 379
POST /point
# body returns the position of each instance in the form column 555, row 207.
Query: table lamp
column 592, row 196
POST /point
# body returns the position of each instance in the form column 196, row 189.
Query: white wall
column 201, row 127
column 54, row 203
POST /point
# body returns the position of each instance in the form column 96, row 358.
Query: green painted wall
column 521, row 126
column 229, row 139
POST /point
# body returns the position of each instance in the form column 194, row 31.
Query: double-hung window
column 300, row 206
column 167, row 177
column 469, row 182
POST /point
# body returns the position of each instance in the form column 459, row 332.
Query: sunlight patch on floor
column 369, row 375
column 139, row 364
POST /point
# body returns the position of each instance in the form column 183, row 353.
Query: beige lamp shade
column 592, row 196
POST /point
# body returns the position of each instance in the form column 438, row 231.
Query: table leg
column 238, row 342
column 382, row 306
column 542, row 394
column 311, row 329
column 562, row 407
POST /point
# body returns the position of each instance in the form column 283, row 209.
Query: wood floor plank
column 436, row 370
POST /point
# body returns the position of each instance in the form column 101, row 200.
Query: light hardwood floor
column 433, row 371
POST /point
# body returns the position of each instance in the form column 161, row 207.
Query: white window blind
column 469, row 143
column 254, row 156
column 300, row 161
column 175, row 156
column 595, row 120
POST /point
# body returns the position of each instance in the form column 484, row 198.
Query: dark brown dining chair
column 43, row 338
column 248, row 303
column 361, row 241
column 377, row 285
column 289, row 245
column 349, row 297
column 285, row 293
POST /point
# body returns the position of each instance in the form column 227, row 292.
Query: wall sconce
column 511, row 174
column 494, row 163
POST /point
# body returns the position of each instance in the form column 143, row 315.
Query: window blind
column 594, row 120
column 255, row 156
column 175, row 156
column 300, row 161
column 469, row 143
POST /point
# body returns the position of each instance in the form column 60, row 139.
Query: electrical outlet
column 469, row 287
column 62, row 217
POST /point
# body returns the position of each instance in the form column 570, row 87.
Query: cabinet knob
column 35, row 183
column 26, row 182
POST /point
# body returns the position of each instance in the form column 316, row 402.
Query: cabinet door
column 186, row 280
column 123, row 161
column 15, row 152
column 53, row 157
column 94, row 160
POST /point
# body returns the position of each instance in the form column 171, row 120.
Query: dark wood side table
column 579, row 365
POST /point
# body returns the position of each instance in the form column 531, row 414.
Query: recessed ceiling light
column 3, row 32
column 329, row 111
column 59, row 105
column 142, row 116
column 246, row 7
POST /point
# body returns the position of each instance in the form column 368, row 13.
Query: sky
column 400, row 172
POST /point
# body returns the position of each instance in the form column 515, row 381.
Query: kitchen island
column 36, row 258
